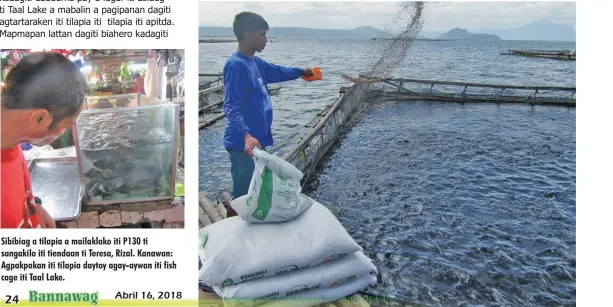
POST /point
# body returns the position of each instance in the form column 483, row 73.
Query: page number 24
column 10, row 300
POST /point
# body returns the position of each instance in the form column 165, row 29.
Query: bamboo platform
column 565, row 55
column 210, row 98
column 212, row 211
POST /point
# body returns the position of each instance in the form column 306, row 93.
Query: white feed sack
column 326, row 275
column 274, row 193
column 320, row 296
column 237, row 251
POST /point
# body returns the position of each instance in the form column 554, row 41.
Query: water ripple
column 497, row 224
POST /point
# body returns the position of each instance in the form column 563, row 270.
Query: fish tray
column 56, row 182
column 128, row 154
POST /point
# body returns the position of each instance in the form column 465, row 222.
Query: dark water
column 298, row 101
column 461, row 205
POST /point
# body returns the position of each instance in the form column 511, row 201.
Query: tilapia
column 108, row 163
column 94, row 190
column 140, row 185
column 103, row 174
column 111, row 186
column 139, row 180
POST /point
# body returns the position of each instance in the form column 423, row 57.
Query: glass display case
column 127, row 154
column 119, row 101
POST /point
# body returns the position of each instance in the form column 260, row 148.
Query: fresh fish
column 144, row 178
column 139, row 186
column 103, row 174
column 108, row 163
column 111, row 186
column 95, row 190
column 93, row 173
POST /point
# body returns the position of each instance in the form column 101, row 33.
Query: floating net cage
column 313, row 147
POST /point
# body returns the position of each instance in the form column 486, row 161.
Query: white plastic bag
column 325, row 275
column 326, row 295
column 274, row 193
column 237, row 251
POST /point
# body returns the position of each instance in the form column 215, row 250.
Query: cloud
column 347, row 15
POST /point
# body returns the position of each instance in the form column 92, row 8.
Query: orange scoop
column 317, row 75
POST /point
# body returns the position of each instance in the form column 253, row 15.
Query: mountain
column 359, row 32
column 538, row 30
column 541, row 30
column 463, row 34
column 432, row 34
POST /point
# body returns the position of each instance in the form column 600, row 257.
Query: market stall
column 121, row 164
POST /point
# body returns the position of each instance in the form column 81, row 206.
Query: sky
column 439, row 16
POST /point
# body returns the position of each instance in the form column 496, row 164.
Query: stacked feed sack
column 245, row 262
column 284, row 247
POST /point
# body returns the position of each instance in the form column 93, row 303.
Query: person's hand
column 307, row 72
column 250, row 143
column 45, row 219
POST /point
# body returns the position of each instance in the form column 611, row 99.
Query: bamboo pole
column 321, row 123
column 209, row 208
column 222, row 211
column 519, row 87
column 211, row 121
column 203, row 217
column 211, row 89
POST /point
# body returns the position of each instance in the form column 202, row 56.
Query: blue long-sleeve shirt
column 247, row 103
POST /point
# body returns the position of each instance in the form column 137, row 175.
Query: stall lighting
column 93, row 80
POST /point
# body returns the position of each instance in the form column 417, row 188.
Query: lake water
column 495, row 184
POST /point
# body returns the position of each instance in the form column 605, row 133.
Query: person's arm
column 234, row 75
column 45, row 220
column 275, row 73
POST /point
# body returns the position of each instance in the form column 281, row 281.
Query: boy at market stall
column 42, row 96
column 247, row 103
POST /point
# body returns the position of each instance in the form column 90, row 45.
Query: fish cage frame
column 175, row 153
column 313, row 147
column 498, row 96
column 329, row 123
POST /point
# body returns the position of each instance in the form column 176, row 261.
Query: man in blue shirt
column 247, row 102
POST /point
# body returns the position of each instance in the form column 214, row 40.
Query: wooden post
column 398, row 92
